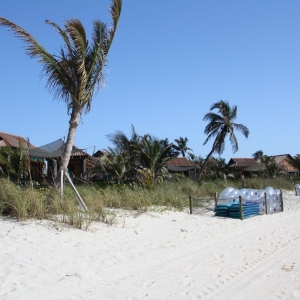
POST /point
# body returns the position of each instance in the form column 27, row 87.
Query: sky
column 169, row 62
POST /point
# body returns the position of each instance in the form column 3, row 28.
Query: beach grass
column 102, row 200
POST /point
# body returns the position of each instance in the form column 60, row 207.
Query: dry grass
column 25, row 203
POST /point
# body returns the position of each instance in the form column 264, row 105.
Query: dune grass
column 103, row 201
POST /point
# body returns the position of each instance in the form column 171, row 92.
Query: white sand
column 168, row 255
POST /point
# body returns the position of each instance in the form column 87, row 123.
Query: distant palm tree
column 172, row 151
column 216, row 167
column 125, row 147
column 220, row 126
column 258, row 155
column 153, row 157
column 272, row 169
column 76, row 70
column 182, row 145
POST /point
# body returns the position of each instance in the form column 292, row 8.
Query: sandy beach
column 168, row 255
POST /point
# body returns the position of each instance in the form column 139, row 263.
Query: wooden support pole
column 61, row 182
column 191, row 204
column 266, row 203
column 78, row 197
column 241, row 208
column 216, row 198
column 281, row 200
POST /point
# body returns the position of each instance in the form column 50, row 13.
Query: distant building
column 182, row 165
column 250, row 165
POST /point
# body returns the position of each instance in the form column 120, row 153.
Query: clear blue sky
column 170, row 61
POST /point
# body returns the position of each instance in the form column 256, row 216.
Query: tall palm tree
column 76, row 70
column 182, row 145
column 220, row 126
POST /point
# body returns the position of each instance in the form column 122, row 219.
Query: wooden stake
column 241, row 208
column 281, row 200
column 61, row 183
column 266, row 204
column 191, row 204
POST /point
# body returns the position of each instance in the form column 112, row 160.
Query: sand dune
column 170, row 255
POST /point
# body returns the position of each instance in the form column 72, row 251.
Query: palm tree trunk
column 206, row 160
column 74, row 121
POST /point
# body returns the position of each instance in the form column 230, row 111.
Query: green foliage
column 138, row 159
column 181, row 146
column 14, row 163
column 220, row 126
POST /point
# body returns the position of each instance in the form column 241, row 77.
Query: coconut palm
column 272, row 169
column 76, row 70
column 258, row 155
column 181, row 145
column 220, row 126
column 126, row 148
column 15, row 163
column 172, row 151
column 216, row 167
column 153, row 157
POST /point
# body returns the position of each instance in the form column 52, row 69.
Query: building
column 45, row 160
column 182, row 165
column 250, row 165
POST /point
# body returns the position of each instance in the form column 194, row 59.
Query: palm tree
column 153, row 157
column 272, row 169
column 182, row 145
column 15, row 163
column 258, row 155
column 114, row 164
column 76, row 70
column 172, row 151
column 216, row 167
column 126, row 148
column 220, row 126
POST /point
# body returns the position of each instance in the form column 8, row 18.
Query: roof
column 180, row 164
column 100, row 153
column 55, row 150
column 78, row 152
column 51, row 150
column 242, row 162
column 281, row 157
column 7, row 139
